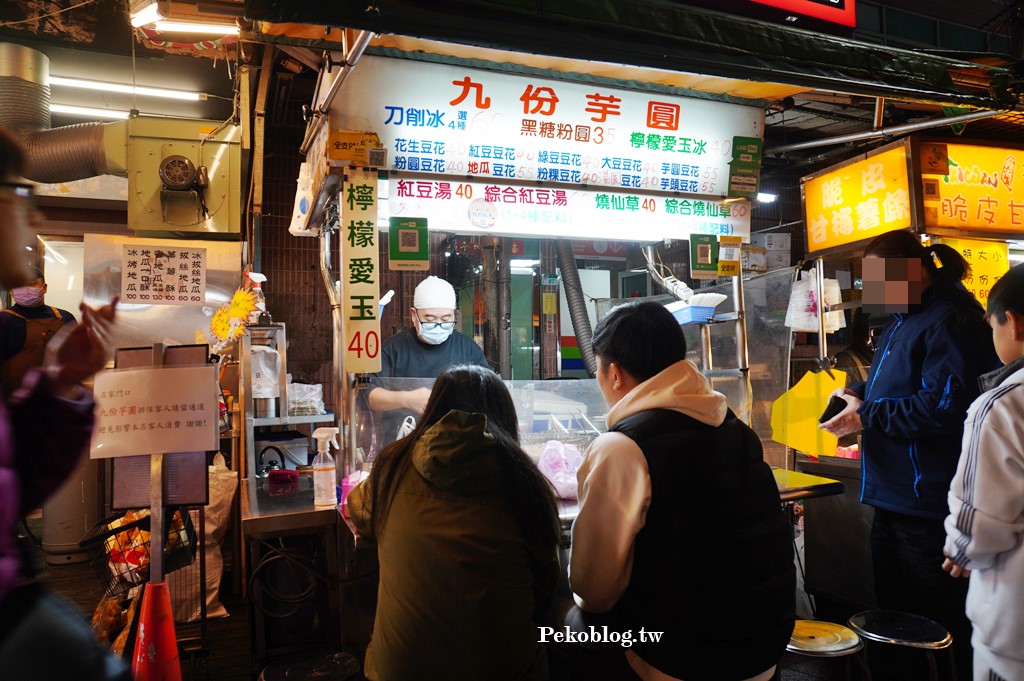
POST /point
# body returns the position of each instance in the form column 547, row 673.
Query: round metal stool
column 905, row 629
column 814, row 638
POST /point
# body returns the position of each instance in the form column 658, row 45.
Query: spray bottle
column 325, row 473
column 257, row 280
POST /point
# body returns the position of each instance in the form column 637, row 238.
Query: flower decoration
column 228, row 322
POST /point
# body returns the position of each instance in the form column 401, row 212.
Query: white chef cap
column 434, row 292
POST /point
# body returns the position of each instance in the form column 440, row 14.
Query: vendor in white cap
column 423, row 351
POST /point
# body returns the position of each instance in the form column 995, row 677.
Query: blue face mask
column 436, row 335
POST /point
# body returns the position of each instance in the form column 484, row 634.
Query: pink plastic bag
column 559, row 463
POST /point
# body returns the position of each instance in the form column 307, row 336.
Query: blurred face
column 19, row 219
column 892, row 284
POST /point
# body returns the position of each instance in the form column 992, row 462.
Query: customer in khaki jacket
column 467, row 537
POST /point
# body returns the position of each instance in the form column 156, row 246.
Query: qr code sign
column 408, row 241
column 931, row 189
column 376, row 158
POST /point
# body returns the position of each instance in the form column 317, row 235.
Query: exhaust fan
column 183, row 177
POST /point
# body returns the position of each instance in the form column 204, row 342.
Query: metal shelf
column 290, row 420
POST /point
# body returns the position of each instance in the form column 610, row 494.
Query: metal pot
column 265, row 407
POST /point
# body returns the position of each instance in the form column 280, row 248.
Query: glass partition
column 571, row 411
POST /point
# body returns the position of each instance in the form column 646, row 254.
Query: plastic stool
column 814, row 638
column 905, row 629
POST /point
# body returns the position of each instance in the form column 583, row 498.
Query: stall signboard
column 989, row 260
column 163, row 275
column 155, row 410
column 407, row 244
column 843, row 12
column 360, row 275
column 499, row 129
column 982, row 192
column 480, row 207
column 858, row 201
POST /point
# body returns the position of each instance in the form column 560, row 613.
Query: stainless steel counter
column 271, row 509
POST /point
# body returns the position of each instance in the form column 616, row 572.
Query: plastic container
column 693, row 314
column 325, row 472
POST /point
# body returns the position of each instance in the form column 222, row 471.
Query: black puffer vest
column 713, row 565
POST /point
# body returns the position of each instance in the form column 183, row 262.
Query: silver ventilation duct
column 577, row 303
column 72, row 152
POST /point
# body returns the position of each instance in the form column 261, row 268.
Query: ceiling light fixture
column 145, row 12
column 88, row 112
column 190, row 27
column 127, row 89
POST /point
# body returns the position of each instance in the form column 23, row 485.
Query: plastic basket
column 694, row 314
column 121, row 549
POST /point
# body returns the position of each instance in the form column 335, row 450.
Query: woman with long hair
column 911, row 410
column 467, row 539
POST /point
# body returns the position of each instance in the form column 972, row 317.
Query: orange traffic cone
column 156, row 647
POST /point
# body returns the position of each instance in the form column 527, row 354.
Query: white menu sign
column 157, row 410
column 455, row 120
column 163, row 275
column 476, row 207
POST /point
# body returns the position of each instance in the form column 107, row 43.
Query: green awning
column 665, row 35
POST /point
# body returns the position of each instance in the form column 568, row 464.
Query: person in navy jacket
column 923, row 377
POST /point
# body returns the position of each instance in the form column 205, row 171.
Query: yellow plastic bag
column 795, row 414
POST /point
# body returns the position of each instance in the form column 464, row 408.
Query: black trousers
column 907, row 560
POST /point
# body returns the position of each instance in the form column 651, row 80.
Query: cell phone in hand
column 835, row 405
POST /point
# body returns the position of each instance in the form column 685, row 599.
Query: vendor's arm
column 614, row 495
column 956, row 352
column 382, row 399
column 987, row 492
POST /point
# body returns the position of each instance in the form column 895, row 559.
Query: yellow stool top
column 825, row 639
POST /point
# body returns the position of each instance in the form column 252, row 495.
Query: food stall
column 964, row 194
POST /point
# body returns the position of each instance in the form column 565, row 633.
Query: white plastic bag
column 183, row 583
column 266, row 372
column 305, row 399
column 802, row 312
column 408, row 424
column 559, row 463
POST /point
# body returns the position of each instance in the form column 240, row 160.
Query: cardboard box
column 776, row 259
column 771, row 241
column 753, row 258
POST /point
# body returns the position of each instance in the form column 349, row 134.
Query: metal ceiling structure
column 826, row 98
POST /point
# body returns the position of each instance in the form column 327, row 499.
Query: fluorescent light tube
column 762, row 197
column 147, row 15
column 127, row 89
column 187, row 27
column 88, row 112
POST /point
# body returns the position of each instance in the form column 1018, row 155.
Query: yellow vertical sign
column 858, row 201
column 360, row 274
column 989, row 260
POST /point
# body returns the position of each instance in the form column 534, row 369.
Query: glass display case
column 571, row 411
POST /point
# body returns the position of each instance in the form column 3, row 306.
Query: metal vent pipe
column 577, row 303
column 72, row 152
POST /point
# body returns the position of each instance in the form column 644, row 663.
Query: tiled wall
column 294, row 289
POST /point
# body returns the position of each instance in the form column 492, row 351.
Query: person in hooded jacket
column 721, row 588
column 985, row 526
column 923, row 377
column 467, row 540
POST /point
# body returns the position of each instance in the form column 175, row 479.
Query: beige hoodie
column 615, row 487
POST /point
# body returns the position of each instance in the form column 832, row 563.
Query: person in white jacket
column 985, row 526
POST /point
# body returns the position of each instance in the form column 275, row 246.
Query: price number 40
column 367, row 342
